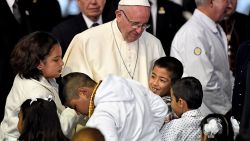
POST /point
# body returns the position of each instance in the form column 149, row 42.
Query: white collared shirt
column 11, row 3
column 89, row 22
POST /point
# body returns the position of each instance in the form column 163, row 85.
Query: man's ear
column 118, row 15
column 211, row 3
column 83, row 91
column 181, row 102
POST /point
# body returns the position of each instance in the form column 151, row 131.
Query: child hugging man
column 186, row 98
column 166, row 70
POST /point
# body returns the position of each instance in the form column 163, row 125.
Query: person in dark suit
column 189, row 5
column 239, row 91
column 245, row 120
column 168, row 17
column 11, row 30
column 43, row 14
column 237, row 28
column 91, row 12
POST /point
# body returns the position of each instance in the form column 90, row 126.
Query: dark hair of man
column 41, row 121
column 28, row 53
column 173, row 65
column 72, row 81
column 227, row 128
column 88, row 134
column 190, row 90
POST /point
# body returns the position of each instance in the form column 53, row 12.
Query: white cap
column 134, row 2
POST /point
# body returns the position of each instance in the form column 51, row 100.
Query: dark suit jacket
column 245, row 120
column 66, row 30
column 239, row 91
column 10, row 32
column 240, row 33
column 43, row 14
column 168, row 23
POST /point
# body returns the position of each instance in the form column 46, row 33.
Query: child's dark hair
column 171, row 64
column 28, row 53
column 225, row 134
column 40, row 121
column 190, row 90
column 88, row 134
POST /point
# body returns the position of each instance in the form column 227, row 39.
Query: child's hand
column 170, row 117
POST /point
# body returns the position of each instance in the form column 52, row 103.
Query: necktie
column 16, row 11
column 94, row 24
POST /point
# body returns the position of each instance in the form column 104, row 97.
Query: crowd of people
column 137, row 70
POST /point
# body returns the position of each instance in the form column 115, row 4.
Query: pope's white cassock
column 102, row 50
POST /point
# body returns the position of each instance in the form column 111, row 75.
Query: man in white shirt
column 201, row 46
column 91, row 13
column 120, row 47
column 122, row 109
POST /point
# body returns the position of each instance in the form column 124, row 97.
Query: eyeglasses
column 134, row 24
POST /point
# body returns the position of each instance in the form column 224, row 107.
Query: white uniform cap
column 134, row 2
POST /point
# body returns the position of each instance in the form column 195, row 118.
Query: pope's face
column 131, row 21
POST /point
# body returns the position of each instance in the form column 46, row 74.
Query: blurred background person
column 201, row 46
column 91, row 14
column 237, row 28
column 166, row 18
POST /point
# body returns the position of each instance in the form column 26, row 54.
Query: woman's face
column 20, row 122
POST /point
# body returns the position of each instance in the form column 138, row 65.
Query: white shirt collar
column 153, row 1
column 207, row 20
column 10, row 3
column 89, row 22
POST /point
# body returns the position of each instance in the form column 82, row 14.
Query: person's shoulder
column 190, row 29
column 148, row 37
column 69, row 23
column 175, row 125
column 28, row 86
column 98, row 32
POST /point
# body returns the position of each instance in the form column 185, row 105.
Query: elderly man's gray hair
column 201, row 2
